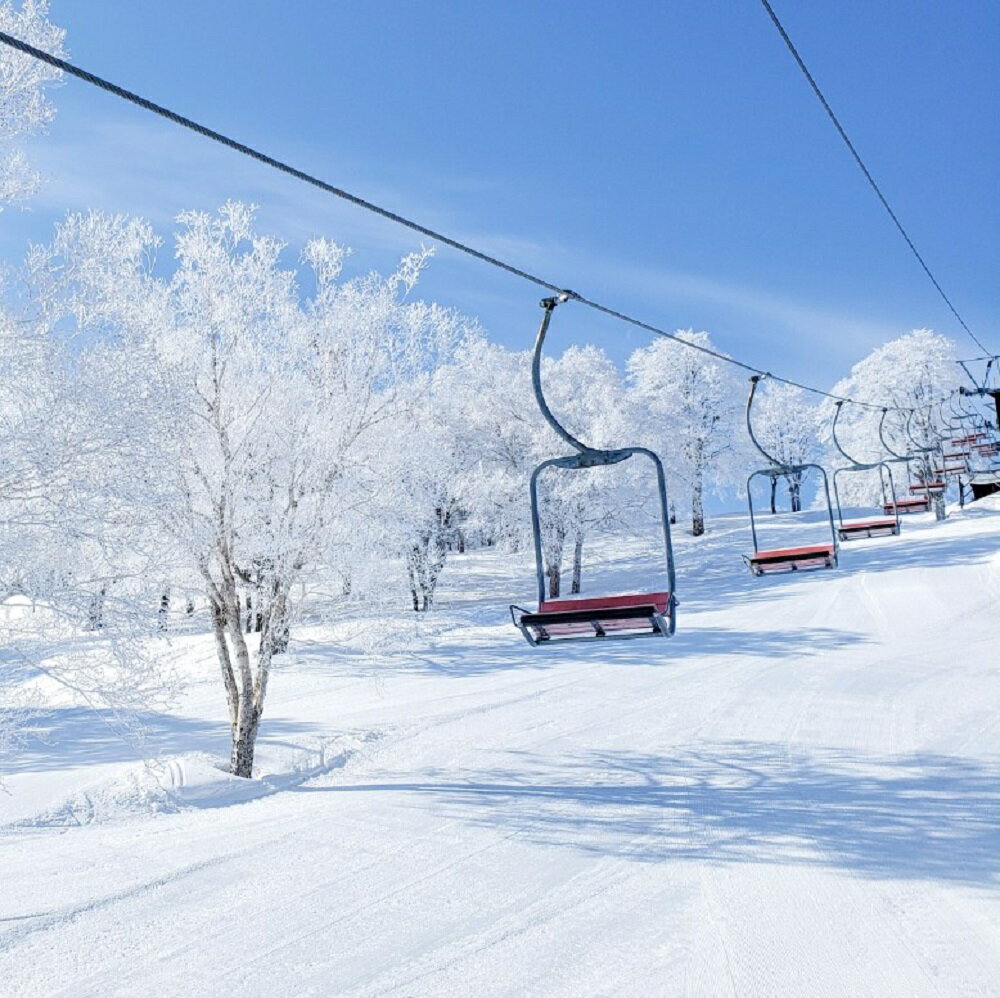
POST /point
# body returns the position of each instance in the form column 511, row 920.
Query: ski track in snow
column 796, row 795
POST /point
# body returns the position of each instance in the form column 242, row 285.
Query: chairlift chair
column 900, row 506
column 635, row 615
column 767, row 562
column 931, row 489
column 851, row 530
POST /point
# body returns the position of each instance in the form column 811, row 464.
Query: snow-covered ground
column 799, row 794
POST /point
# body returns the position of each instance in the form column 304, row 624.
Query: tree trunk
column 697, row 509
column 163, row 611
column 95, row 611
column 412, row 577
column 774, row 494
column 577, row 564
column 244, row 743
column 795, row 493
column 553, row 561
column 245, row 686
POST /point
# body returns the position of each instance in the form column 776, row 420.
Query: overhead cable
column 292, row 171
column 864, row 169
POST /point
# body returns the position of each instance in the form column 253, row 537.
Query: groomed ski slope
column 799, row 794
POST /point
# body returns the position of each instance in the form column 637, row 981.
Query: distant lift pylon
column 602, row 617
column 765, row 562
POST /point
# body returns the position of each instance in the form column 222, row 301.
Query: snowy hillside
column 799, row 794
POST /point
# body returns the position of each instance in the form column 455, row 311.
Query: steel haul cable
column 292, row 171
column 864, row 169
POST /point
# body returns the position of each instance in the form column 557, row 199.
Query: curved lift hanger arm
column 778, row 468
column 888, row 501
column 913, row 440
column 586, row 457
column 885, row 443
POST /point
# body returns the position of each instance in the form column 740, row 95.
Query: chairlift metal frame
column 918, row 504
column 787, row 559
column 608, row 618
column 863, row 528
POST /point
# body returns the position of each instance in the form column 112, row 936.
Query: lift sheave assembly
column 600, row 617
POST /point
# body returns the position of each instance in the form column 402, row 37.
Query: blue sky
column 665, row 157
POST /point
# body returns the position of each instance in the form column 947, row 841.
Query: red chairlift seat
column 970, row 439
column 920, row 504
column 951, row 469
column 928, row 487
column 632, row 616
column 868, row 528
column 792, row 559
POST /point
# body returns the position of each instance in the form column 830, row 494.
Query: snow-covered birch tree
column 692, row 404
column 261, row 407
column 913, row 373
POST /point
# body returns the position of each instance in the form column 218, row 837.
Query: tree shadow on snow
column 923, row 816
column 66, row 737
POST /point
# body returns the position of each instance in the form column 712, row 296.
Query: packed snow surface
column 796, row 795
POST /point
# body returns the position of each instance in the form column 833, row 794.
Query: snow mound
column 134, row 792
column 196, row 780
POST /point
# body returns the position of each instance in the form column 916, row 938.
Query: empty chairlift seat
column 792, row 559
column 640, row 615
column 918, row 504
column 878, row 527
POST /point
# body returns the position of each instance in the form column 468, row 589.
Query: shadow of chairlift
column 601, row 618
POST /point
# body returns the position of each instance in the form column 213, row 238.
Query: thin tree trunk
column 412, row 577
column 697, row 509
column 795, row 494
column 553, row 562
column 774, row 494
column 577, row 564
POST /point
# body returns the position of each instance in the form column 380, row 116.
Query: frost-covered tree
column 261, row 412
column 692, row 404
column 24, row 108
column 510, row 437
column 70, row 565
column 425, row 465
column 912, row 373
